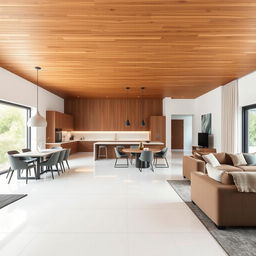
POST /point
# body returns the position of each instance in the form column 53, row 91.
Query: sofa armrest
column 190, row 164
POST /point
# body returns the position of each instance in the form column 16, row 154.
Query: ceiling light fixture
column 37, row 120
column 127, row 122
column 142, row 107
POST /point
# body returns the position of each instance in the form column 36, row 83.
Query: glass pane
column 13, row 131
column 252, row 130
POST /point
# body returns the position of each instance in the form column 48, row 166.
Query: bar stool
column 104, row 153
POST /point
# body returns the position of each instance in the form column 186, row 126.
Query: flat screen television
column 203, row 139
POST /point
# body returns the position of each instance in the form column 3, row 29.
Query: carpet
column 9, row 198
column 235, row 241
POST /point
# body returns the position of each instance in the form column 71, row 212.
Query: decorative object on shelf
column 141, row 146
column 127, row 122
column 37, row 120
column 206, row 123
column 142, row 112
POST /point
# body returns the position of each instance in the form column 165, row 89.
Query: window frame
column 28, row 109
column 245, row 126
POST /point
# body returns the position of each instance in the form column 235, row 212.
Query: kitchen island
column 111, row 144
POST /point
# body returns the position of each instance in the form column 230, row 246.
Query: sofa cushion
column 223, row 158
column 250, row 168
column 198, row 156
column 250, row 158
column 238, row 159
column 229, row 168
column 227, row 178
column 211, row 159
column 213, row 172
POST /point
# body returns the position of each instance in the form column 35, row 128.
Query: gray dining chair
column 147, row 156
column 28, row 159
column 19, row 164
column 51, row 162
column 133, row 155
column 68, row 150
column 161, row 155
column 11, row 152
column 120, row 155
column 61, row 159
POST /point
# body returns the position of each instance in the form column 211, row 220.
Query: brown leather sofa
column 222, row 203
column 192, row 164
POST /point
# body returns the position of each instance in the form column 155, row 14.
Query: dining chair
column 68, row 150
column 61, row 159
column 28, row 159
column 133, row 155
column 50, row 162
column 120, row 155
column 19, row 164
column 147, row 156
column 161, row 155
column 11, row 152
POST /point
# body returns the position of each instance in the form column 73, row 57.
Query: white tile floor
column 96, row 210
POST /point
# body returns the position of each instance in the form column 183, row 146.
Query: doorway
column 177, row 134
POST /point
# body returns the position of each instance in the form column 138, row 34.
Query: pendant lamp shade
column 37, row 120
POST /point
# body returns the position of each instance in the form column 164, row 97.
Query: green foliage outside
column 252, row 127
column 12, row 131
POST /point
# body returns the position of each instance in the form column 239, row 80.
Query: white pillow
column 238, row 159
column 211, row 159
column 214, row 173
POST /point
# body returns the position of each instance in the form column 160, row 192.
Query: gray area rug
column 10, row 198
column 235, row 241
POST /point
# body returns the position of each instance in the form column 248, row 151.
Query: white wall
column 209, row 103
column 188, row 129
column 17, row 90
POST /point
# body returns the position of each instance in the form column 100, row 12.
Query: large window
column 14, row 134
column 249, row 128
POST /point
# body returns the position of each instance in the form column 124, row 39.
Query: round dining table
column 137, row 152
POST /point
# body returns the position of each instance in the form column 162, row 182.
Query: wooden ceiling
column 95, row 48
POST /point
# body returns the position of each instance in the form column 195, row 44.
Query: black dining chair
column 61, row 159
column 51, row 162
column 19, row 164
column 161, row 155
column 120, row 155
column 147, row 156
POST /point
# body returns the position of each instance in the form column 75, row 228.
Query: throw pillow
column 214, row 173
column 211, row 159
column 238, row 159
column 198, row 156
column 250, row 158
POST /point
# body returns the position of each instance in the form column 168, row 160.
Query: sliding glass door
column 14, row 134
column 249, row 129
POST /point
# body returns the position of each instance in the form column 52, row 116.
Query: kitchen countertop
column 128, row 143
column 63, row 142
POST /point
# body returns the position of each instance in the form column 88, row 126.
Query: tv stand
column 198, row 149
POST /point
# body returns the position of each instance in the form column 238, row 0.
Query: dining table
column 137, row 152
column 39, row 155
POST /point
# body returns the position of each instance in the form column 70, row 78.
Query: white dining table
column 39, row 155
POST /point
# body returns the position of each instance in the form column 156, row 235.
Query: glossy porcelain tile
column 96, row 209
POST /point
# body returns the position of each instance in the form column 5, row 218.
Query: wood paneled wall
column 110, row 114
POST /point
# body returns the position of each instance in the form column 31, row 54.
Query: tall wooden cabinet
column 57, row 120
column 157, row 128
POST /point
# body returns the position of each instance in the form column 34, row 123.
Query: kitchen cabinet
column 157, row 128
column 85, row 146
column 55, row 120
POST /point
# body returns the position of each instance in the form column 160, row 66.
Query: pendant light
column 127, row 122
column 37, row 120
column 142, row 107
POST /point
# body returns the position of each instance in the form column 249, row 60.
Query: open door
column 177, row 134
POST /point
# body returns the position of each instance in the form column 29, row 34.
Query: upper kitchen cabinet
column 57, row 120
column 157, row 128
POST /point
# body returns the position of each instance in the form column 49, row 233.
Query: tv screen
column 203, row 139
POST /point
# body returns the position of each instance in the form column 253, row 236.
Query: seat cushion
column 229, row 168
column 248, row 168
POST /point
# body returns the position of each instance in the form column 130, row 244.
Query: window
column 249, row 129
column 14, row 133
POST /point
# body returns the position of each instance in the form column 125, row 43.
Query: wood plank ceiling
column 95, row 48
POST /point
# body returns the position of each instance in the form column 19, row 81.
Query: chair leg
column 57, row 169
column 152, row 167
column 167, row 164
column 27, row 175
column 9, row 170
column 10, row 176
column 67, row 164
column 62, row 163
column 127, row 160
column 35, row 171
column 61, row 167
column 52, row 172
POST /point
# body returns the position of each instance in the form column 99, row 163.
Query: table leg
column 38, row 168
